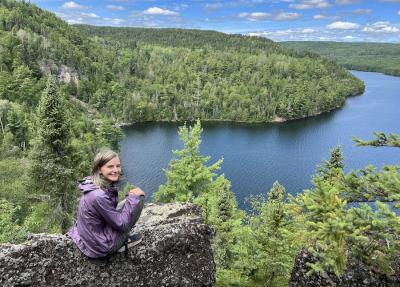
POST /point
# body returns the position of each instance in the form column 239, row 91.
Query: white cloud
column 213, row 6
column 115, row 7
column 89, row 15
column 73, row 5
column 61, row 15
column 292, row 34
column 279, row 16
column 362, row 11
column 319, row 16
column 398, row 12
column 375, row 32
column 301, row 6
column 260, row 15
column 159, row 11
column 255, row 16
column 114, row 21
column 284, row 16
column 380, row 27
column 155, row 17
column 347, row 2
column 339, row 25
column 75, row 21
column 310, row 4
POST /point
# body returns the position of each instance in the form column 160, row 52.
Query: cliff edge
column 175, row 251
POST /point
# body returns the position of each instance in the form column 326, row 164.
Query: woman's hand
column 136, row 192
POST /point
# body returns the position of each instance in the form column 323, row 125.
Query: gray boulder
column 356, row 275
column 175, row 251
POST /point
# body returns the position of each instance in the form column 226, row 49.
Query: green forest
column 65, row 90
column 369, row 57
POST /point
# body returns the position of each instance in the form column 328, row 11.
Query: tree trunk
column 2, row 128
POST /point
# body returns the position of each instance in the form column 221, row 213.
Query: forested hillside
column 182, row 38
column 187, row 74
column 43, row 127
column 161, row 75
column 372, row 57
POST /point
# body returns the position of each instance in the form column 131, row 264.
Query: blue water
column 256, row 155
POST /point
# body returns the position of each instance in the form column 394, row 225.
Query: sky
column 279, row 20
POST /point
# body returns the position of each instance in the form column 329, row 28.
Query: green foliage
column 170, row 75
column 337, row 231
column 189, row 179
column 374, row 57
column 13, row 186
column 274, row 232
column 325, row 215
column 368, row 184
column 378, row 242
column 187, row 175
column 380, row 139
column 128, row 186
column 336, row 159
column 10, row 231
column 40, row 219
column 110, row 135
column 8, row 147
column 220, row 210
column 51, row 172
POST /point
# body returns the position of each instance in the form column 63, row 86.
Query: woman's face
column 111, row 170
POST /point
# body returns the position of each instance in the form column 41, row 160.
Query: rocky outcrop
column 67, row 74
column 64, row 73
column 175, row 251
column 356, row 275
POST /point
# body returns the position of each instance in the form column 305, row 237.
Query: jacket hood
column 87, row 185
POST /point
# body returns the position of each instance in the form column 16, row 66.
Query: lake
column 256, row 155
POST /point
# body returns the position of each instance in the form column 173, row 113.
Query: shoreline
column 275, row 120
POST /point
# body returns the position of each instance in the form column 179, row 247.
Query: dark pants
column 123, row 237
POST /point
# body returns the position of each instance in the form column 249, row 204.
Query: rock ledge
column 175, row 251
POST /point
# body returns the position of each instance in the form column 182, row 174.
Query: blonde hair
column 99, row 161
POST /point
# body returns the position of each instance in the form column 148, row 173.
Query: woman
column 103, row 225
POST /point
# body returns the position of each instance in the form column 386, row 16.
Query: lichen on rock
column 355, row 275
column 175, row 251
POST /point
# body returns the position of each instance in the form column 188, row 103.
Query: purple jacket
column 99, row 222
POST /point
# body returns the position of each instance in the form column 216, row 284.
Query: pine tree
column 187, row 175
column 336, row 158
column 328, row 231
column 380, row 139
column 337, row 232
column 110, row 135
column 50, row 171
column 333, row 168
column 274, row 232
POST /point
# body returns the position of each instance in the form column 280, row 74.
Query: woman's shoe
column 132, row 240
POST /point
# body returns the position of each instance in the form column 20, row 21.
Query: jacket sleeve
column 118, row 219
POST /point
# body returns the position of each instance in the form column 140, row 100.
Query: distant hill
column 212, row 75
column 374, row 57
column 137, row 74
column 182, row 38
